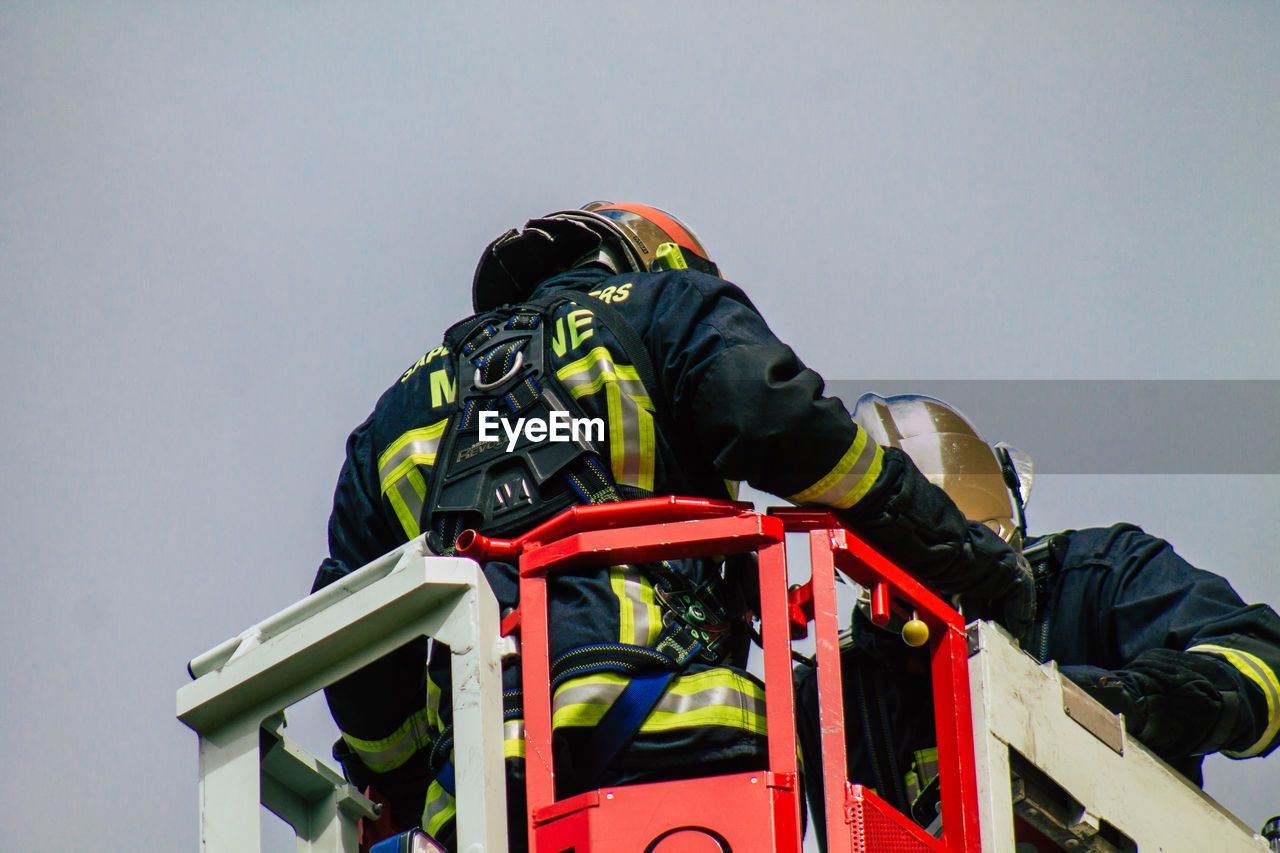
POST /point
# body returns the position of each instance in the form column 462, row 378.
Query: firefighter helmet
column 619, row 237
column 989, row 484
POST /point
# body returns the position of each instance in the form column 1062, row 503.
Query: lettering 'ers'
column 562, row 427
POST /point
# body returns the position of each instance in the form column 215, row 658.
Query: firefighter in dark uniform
column 1192, row 667
column 612, row 312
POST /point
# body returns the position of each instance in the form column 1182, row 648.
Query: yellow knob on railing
column 915, row 633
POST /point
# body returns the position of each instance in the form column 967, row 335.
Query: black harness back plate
column 503, row 486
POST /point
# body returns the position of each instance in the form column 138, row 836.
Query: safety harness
column 502, row 364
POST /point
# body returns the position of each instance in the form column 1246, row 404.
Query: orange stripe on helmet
column 668, row 223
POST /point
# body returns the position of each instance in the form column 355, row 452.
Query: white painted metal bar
column 246, row 681
column 1024, row 710
column 305, row 793
column 295, row 613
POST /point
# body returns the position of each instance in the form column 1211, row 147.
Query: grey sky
column 226, row 228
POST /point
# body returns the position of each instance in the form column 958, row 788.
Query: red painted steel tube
column 646, row 532
column 779, row 694
column 540, row 773
column 579, row 519
column 482, row 549
column 865, row 565
column 647, row 543
column 880, row 604
column 954, row 730
column 826, row 629
column 800, row 609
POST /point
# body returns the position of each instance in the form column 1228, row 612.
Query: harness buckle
column 480, row 385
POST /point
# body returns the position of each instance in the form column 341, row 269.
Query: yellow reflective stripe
column 401, row 480
column 390, row 752
column 583, row 701
column 1260, row 674
column 912, row 783
column 648, row 449
column 850, row 479
column 618, row 460
column 415, row 447
column 926, row 762
column 433, row 704
column 594, row 370
column 513, row 739
column 628, row 406
column 406, row 497
column 440, row 808
column 715, row 697
column 639, row 619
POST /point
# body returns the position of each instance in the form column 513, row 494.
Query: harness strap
column 609, row 657
column 441, row 759
column 621, row 722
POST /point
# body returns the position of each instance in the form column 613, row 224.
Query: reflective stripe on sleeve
column 401, row 480
column 1257, row 671
column 513, row 739
column 714, row 697
column 390, row 752
column 639, row 619
column 433, row 704
column 632, row 443
column 439, row 809
column 850, row 479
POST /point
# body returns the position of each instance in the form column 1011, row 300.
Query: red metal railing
column 855, row 817
column 749, row 812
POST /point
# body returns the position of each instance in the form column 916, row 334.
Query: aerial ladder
column 1028, row 763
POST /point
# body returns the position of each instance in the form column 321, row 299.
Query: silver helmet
column 990, row 484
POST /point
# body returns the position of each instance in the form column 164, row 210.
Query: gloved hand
column 1018, row 604
column 1168, row 701
column 1015, row 606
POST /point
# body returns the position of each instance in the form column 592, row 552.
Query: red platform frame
column 853, row 812
column 751, row 812
column 746, row 812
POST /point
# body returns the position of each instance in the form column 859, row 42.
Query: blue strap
column 620, row 723
column 394, row 844
column 445, row 778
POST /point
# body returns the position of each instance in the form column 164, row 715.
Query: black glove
column 1169, row 700
column 1014, row 606
column 1017, row 607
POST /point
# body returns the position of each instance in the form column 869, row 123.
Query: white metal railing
column 1049, row 753
column 243, row 685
